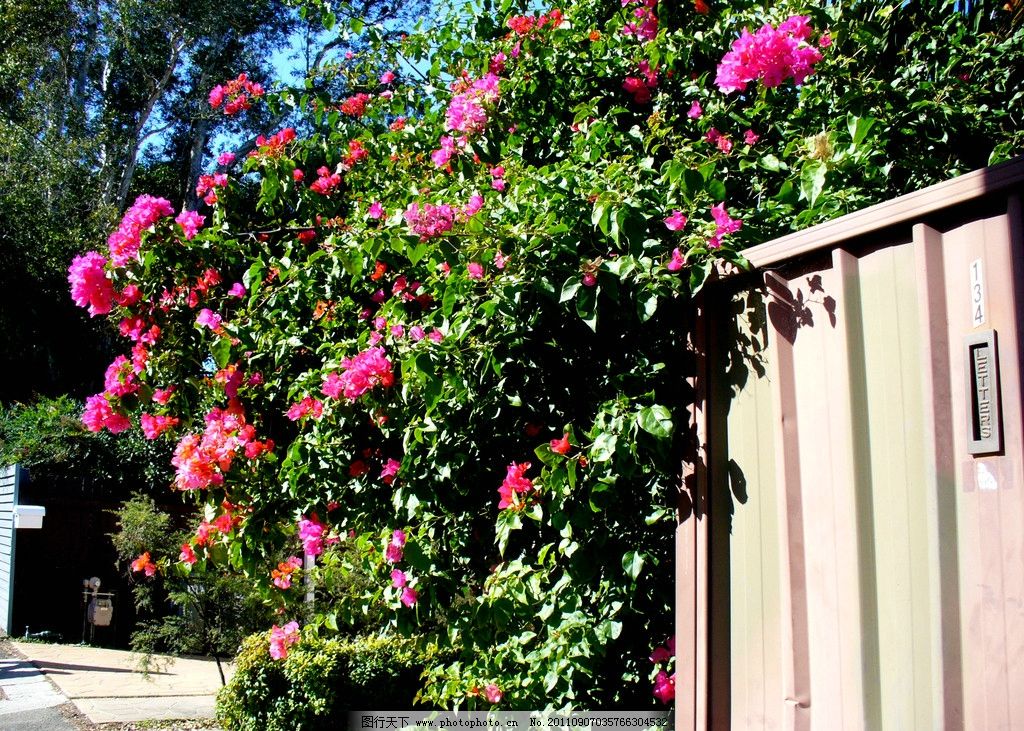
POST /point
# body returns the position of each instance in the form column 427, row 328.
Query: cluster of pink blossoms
column 399, row 579
column 90, row 285
column 281, row 638
column 237, row 93
column 311, row 533
column 201, row 461
column 207, row 186
column 365, row 371
column 124, row 243
column 645, row 25
column 515, row 483
column 664, row 684
column 771, row 55
column 153, row 425
column 430, row 220
column 308, row 406
column 641, row 86
column 99, row 414
column 273, row 146
column 466, row 111
column 326, row 183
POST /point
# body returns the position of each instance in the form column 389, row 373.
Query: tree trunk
column 131, row 154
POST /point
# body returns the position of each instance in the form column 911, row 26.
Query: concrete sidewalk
column 108, row 685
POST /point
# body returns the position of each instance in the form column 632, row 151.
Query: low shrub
column 318, row 683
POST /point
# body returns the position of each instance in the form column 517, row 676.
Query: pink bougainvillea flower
column 560, row 446
column 281, row 638
column 375, row 211
column 308, row 406
column 695, row 111
column 475, row 270
column 416, row 333
column 365, row 371
column 187, row 555
column 750, row 137
column 153, row 425
column 677, row 262
column 209, row 319
column 225, row 158
column 493, row 693
column 237, row 290
column 500, row 260
column 90, row 285
column 311, row 533
column 724, row 225
column 675, row 220
column 190, row 223
column 589, row 279
column 515, row 483
column 388, row 474
column 398, row 578
column 409, row 596
column 398, row 538
column 144, row 213
column 665, row 687
column 99, row 414
column 771, row 55
column 392, row 553
column 660, row 654
column 387, row 77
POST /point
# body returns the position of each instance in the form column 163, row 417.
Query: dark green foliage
column 189, row 612
column 47, row 438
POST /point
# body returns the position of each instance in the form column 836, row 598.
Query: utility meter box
column 29, row 516
column 101, row 612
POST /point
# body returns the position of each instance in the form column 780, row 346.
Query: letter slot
column 981, row 366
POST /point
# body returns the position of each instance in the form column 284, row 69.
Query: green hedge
column 318, row 683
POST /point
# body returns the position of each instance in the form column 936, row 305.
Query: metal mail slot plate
column 981, row 367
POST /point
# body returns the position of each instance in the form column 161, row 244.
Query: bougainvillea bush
column 434, row 337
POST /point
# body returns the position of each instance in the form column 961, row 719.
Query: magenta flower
column 190, row 223
column 375, row 211
column 237, row 290
column 99, row 414
column 492, row 693
column 675, row 220
column 416, row 333
column 665, row 687
column 771, row 55
column 393, row 553
column 225, row 158
column 365, row 371
column 387, row 77
column 750, row 137
column 208, row 318
column 398, row 578
column 281, row 638
column 678, row 261
column 90, row 285
column 475, row 270
column 695, row 111
column 388, row 475
column 409, row 596
column 515, row 483
column 311, row 532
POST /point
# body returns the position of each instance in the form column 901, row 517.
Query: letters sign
column 982, row 370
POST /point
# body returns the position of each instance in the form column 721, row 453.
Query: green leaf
column 859, row 127
column 812, row 180
column 221, row 351
column 569, row 289
column 603, row 448
column 633, row 564
column 656, row 420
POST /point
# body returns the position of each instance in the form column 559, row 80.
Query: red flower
column 560, row 446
